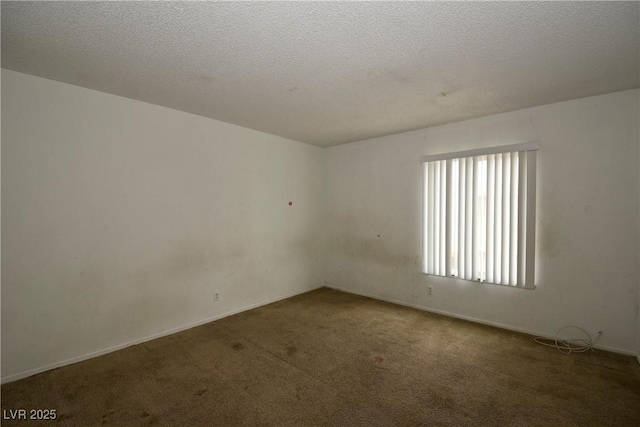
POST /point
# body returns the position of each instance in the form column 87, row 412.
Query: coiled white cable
column 568, row 346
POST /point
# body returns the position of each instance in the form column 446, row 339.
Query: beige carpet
column 333, row 359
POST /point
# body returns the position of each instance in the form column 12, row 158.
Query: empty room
column 320, row 213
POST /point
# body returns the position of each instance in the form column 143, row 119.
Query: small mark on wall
column 290, row 203
column 237, row 346
column 378, row 359
column 293, row 89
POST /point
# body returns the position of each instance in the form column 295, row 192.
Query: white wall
column 587, row 261
column 120, row 220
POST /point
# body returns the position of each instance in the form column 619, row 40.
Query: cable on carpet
column 568, row 346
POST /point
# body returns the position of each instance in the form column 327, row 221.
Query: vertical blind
column 479, row 215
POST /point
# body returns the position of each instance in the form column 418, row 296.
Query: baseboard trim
column 472, row 319
column 30, row 372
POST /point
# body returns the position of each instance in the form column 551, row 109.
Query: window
column 479, row 215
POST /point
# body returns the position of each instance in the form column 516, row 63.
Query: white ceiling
column 330, row 73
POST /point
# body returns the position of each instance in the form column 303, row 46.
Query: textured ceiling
column 330, row 73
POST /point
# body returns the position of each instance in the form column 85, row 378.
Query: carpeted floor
column 329, row 358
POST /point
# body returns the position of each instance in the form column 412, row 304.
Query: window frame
column 530, row 208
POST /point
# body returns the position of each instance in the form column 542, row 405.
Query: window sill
column 530, row 288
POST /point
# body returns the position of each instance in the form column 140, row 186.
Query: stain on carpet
column 201, row 392
column 291, row 350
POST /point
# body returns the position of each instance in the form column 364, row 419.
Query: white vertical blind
column 479, row 216
column 469, row 204
column 443, row 218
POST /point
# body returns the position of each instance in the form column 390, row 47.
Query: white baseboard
column 30, row 372
column 472, row 319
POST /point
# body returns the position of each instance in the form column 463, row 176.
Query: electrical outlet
column 216, row 296
column 429, row 290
